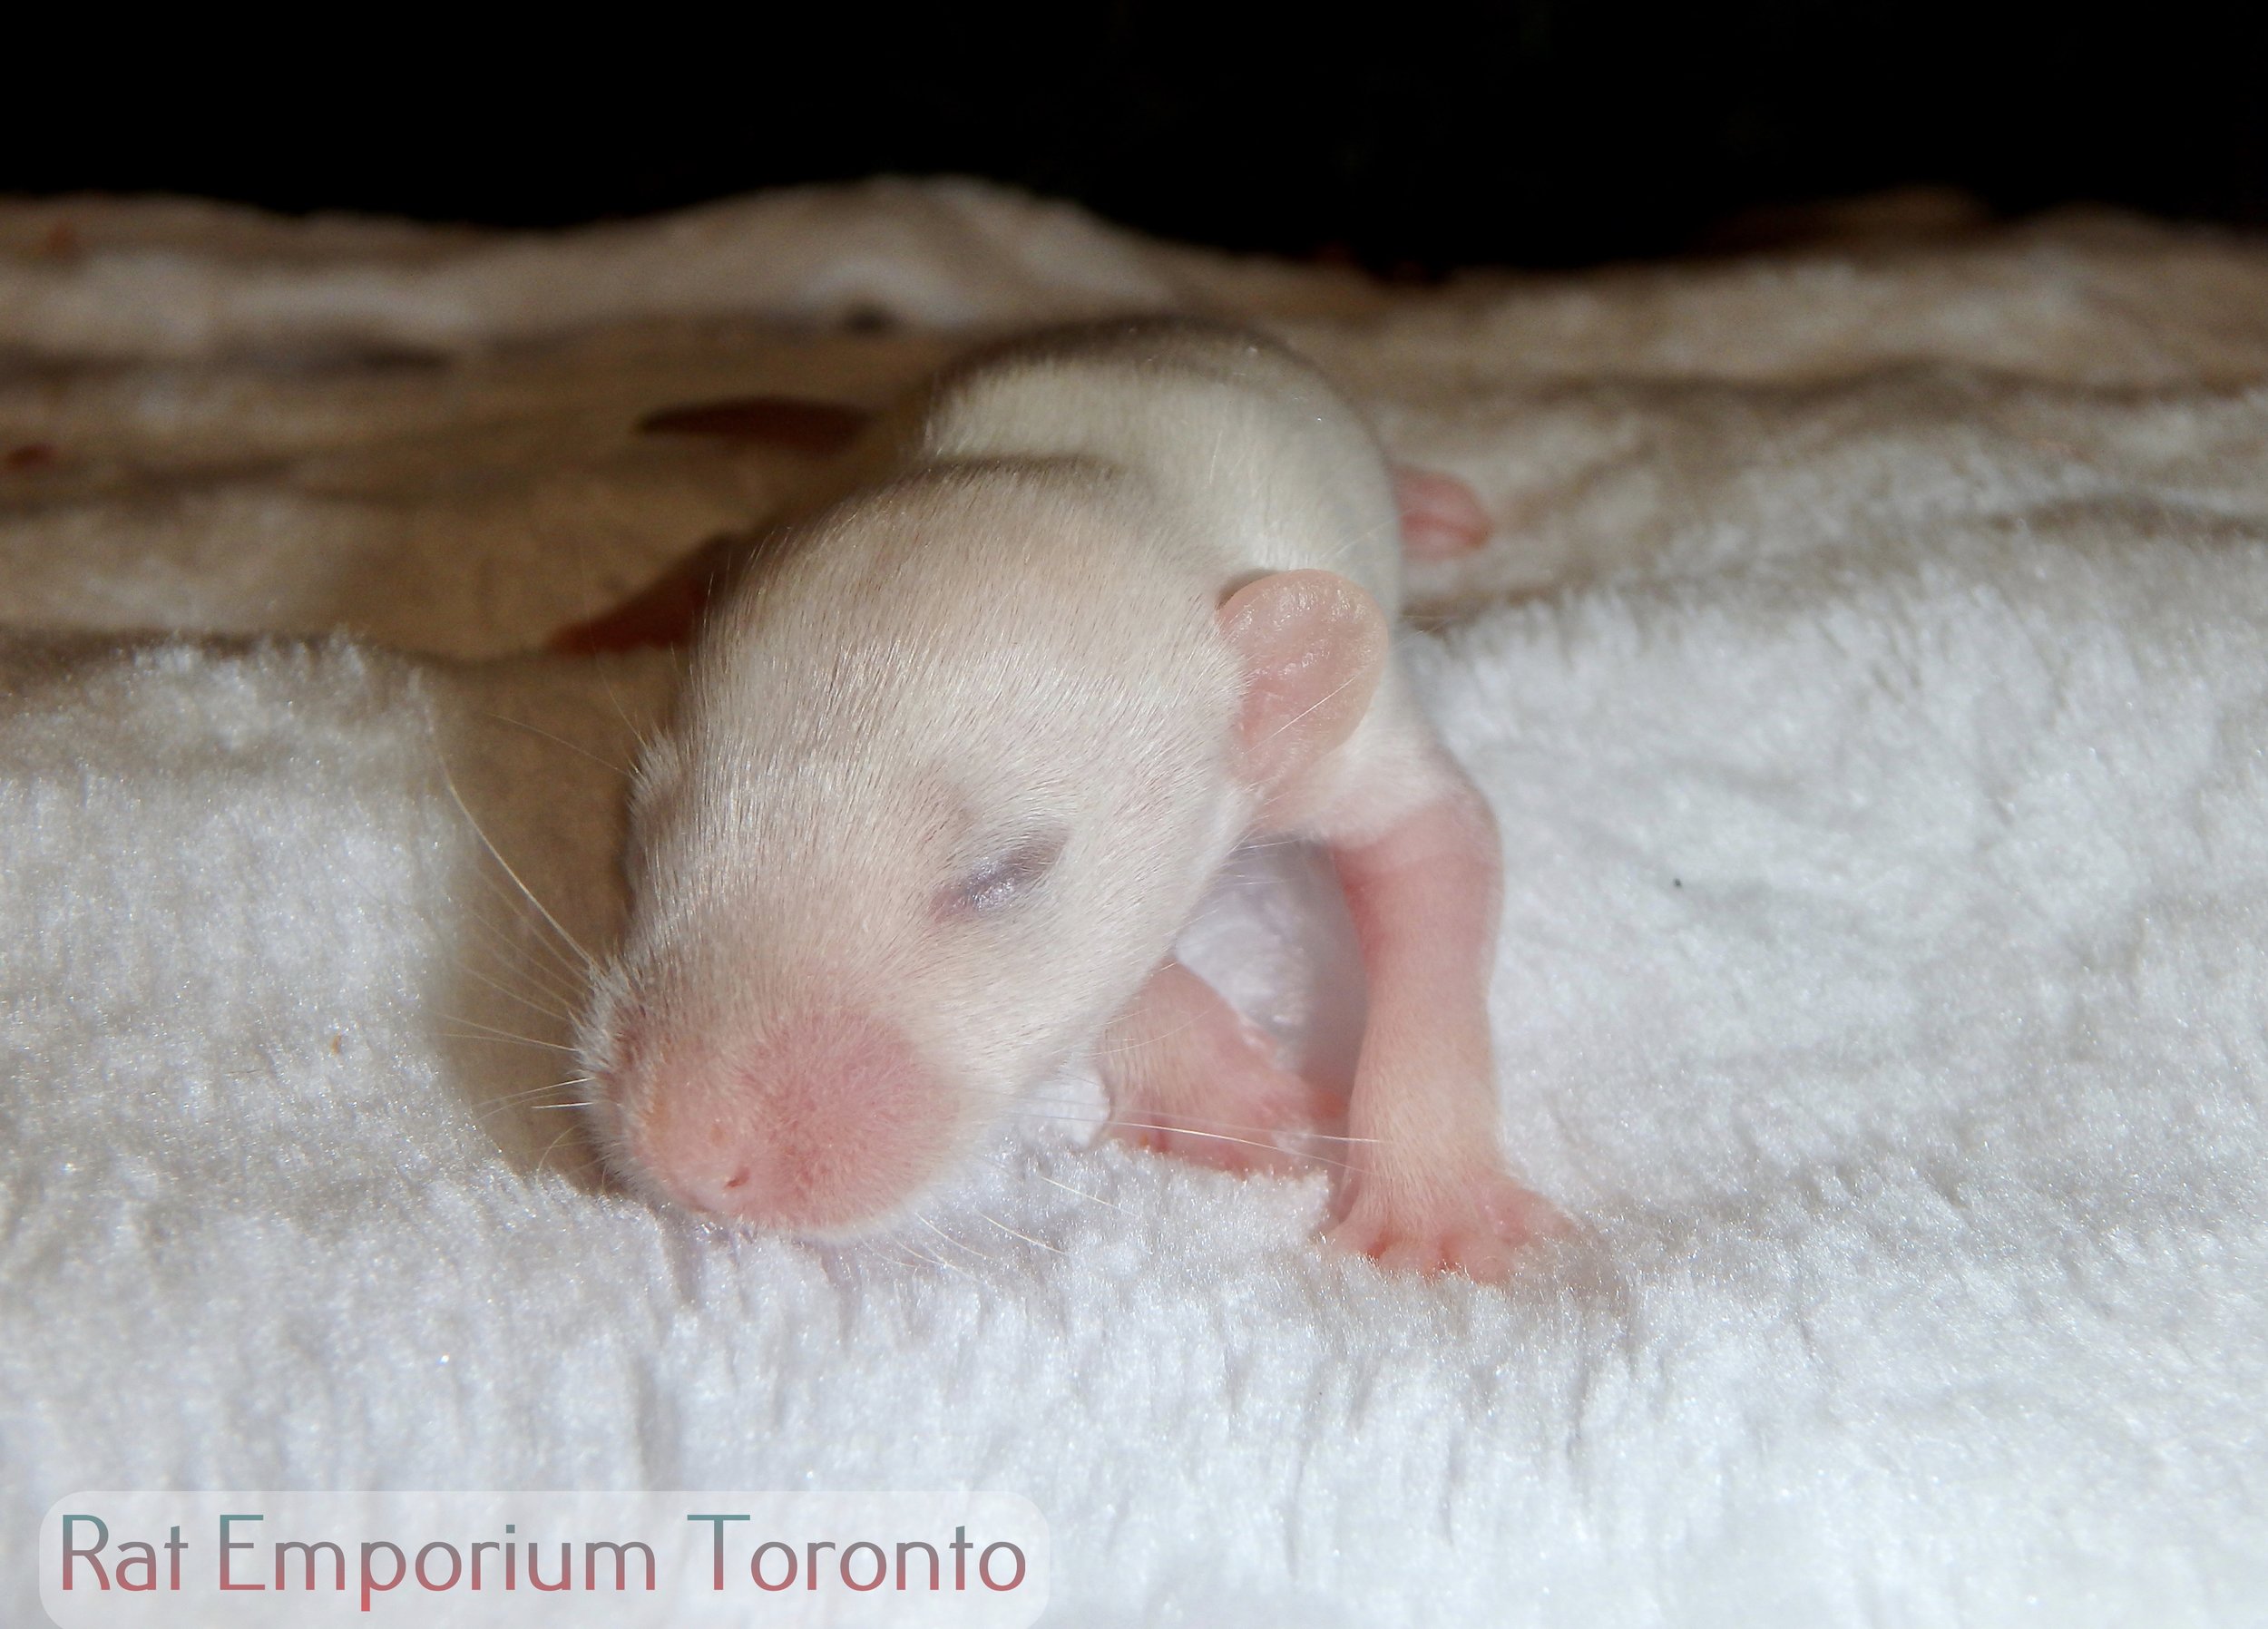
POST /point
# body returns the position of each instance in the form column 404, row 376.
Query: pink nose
column 832, row 1121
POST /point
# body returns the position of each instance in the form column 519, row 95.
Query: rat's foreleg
column 1429, row 1189
column 1188, row 1076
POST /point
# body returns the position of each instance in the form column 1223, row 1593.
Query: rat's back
column 1266, row 465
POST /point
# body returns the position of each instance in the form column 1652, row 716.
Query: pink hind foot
column 1441, row 517
column 1475, row 1222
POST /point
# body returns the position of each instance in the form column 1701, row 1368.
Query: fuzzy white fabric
column 1871, row 678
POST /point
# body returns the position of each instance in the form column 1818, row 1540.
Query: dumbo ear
column 1312, row 646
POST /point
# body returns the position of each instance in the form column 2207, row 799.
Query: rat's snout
column 830, row 1121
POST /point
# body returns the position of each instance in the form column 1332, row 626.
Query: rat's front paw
column 1253, row 1121
column 1473, row 1222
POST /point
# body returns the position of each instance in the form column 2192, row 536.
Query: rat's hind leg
column 1429, row 1187
column 1188, row 1076
column 1441, row 517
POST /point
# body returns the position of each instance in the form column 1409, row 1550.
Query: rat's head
column 940, row 791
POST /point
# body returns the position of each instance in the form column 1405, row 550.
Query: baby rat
column 958, row 754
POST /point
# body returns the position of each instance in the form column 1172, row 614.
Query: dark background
column 1536, row 132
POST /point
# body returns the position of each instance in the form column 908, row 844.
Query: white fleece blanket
column 1872, row 678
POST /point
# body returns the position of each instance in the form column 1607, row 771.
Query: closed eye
column 1004, row 879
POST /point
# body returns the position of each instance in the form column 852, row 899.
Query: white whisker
column 449, row 780
column 518, row 957
column 949, row 1239
column 1026, row 1237
column 1217, row 1136
column 512, row 995
column 490, row 1032
column 561, row 740
column 1081, row 1193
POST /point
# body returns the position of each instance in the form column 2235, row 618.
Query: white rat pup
column 957, row 756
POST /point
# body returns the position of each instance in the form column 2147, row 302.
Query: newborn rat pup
column 958, row 754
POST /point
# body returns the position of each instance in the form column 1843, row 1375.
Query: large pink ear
column 1312, row 645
